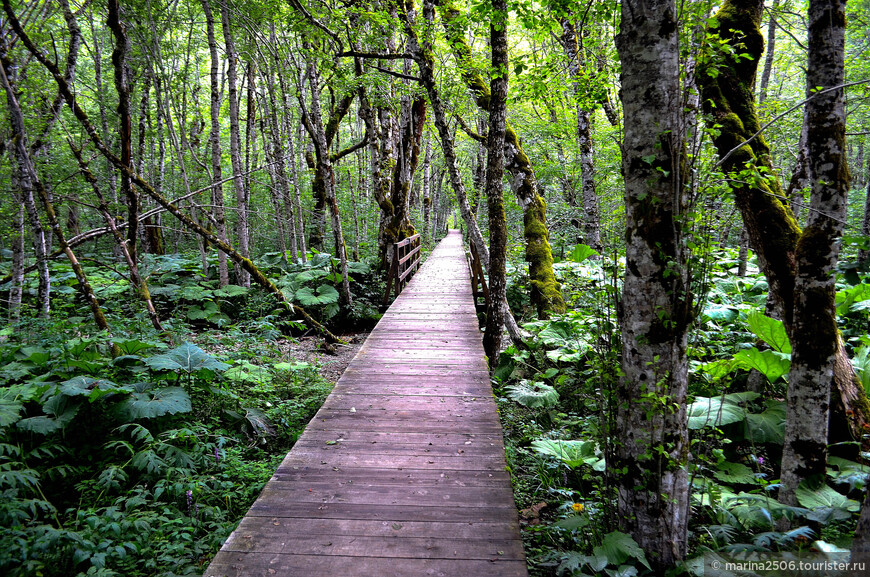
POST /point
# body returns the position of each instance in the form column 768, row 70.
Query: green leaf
column 134, row 347
column 188, row 358
column 714, row 412
column 581, row 252
column 325, row 295
column 619, row 547
column 771, row 331
column 768, row 426
column 533, row 394
column 231, row 290
column 735, row 473
column 90, row 387
column 814, row 497
column 572, row 453
column 721, row 313
column 10, row 411
column 718, row 369
column 573, row 522
column 156, row 403
column 771, row 364
column 60, row 411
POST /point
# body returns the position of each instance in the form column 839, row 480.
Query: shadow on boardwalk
column 402, row 472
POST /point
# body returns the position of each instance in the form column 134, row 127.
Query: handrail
column 406, row 258
column 479, row 287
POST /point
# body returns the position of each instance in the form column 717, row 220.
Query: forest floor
column 332, row 359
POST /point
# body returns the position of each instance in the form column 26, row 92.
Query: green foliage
column 533, row 394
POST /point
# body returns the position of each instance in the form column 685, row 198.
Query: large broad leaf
column 133, row 346
column 771, row 331
column 714, row 412
column 771, row 364
column 533, row 394
column 861, row 362
column 60, row 411
column 155, row 403
column 721, row 313
column 10, row 411
column 768, row 426
column 847, row 298
column 187, row 358
column 325, row 295
column 817, row 496
column 91, row 388
column 572, row 453
column 735, row 473
column 619, row 547
column 231, row 290
column 581, row 252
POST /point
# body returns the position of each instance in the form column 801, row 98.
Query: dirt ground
column 333, row 359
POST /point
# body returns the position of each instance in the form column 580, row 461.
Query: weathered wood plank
column 402, row 471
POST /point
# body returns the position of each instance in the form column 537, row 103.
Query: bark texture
column 814, row 335
column 493, row 183
column 545, row 291
column 652, row 434
column 773, row 231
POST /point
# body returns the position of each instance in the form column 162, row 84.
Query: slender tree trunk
column 427, row 188
column 814, row 334
column 217, row 191
column 865, row 223
column 296, row 201
column 125, row 128
column 38, row 233
column 652, row 432
column 29, row 181
column 494, row 174
column 545, row 291
column 768, row 58
column 242, row 235
column 16, row 289
column 591, row 222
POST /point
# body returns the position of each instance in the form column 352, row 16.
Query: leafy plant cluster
column 556, row 402
column 139, row 464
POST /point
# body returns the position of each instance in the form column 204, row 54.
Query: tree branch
column 350, row 149
column 468, row 130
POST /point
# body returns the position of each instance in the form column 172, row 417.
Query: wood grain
column 402, row 471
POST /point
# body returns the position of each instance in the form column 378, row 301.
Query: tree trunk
column 545, row 291
column 768, row 58
column 242, row 234
column 591, row 221
column 773, row 231
column 493, row 185
column 217, row 191
column 814, row 334
column 427, row 189
column 16, row 288
column 652, row 431
column 40, row 243
column 865, row 223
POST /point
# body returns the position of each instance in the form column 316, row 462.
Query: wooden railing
column 478, row 281
column 406, row 259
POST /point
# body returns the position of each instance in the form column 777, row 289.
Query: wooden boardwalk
column 402, row 472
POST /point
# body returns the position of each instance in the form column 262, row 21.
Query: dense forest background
column 670, row 201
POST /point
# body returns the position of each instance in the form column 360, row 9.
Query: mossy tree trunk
column 545, row 291
column 493, row 183
column 814, row 335
column 651, row 424
column 773, row 231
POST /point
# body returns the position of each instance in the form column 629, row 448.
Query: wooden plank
column 237, row 564
column 402, row 471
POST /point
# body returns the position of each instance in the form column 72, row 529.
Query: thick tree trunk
column 814, row 335
column 495, row 312
column 652, row 451
column 217, row 191
column 773, row 231
column 242, row 233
